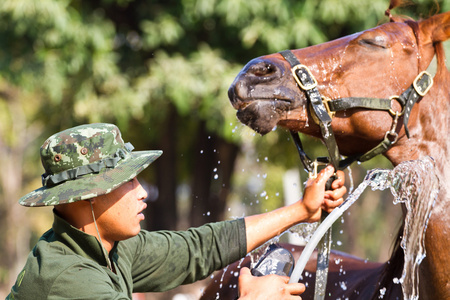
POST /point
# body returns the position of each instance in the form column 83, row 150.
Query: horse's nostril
column 262, row 69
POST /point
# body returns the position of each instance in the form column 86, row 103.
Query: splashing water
column 413, row 183
column 304, row 230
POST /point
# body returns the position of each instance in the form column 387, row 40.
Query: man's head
column 118, row 214
column 85, row 162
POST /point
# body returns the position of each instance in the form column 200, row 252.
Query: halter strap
column 309, row 85
column 324, row 108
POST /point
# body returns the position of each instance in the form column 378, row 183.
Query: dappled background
column 160, row 70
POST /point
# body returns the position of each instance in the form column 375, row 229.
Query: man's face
column 119, row 213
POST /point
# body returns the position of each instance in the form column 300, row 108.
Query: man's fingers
column 329, row 205
column 339, row 181
column 336, row 193
column 295, row 288
column 323, row 175
column 245, row 271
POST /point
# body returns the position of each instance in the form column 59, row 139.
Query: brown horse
column 381, row 62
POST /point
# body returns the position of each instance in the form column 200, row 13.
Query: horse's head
column 378, row 63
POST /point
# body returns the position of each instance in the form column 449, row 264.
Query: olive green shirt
column 68, row 263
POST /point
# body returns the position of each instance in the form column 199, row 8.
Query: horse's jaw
column 264, row 116
column 260, row 115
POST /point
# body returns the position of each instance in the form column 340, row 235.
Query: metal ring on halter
column 392, row 132
column 395, row 113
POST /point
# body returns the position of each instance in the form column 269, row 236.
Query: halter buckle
column 419, row 88
column 325, row 101
column 321, row 161
column 305, row 69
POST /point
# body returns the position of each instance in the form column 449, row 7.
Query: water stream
column 413, row 183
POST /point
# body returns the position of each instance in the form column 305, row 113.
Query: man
column 96, row 248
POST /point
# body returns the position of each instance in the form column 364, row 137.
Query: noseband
column 322, row 112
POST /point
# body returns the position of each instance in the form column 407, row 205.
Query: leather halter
column 324, row 108
column 322, row 111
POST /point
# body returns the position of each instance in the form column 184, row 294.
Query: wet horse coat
column 380, row 62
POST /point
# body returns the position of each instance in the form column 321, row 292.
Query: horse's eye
column 377, row 41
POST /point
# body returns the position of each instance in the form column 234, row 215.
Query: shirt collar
column 78, row 241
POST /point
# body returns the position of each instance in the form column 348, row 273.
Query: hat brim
column 92, row 185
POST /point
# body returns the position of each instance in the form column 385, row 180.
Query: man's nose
column 142, row 193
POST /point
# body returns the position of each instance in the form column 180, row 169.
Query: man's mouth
column 140, row 213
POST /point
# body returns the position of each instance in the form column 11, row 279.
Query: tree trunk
column 162, row 213
column 13, row 221
column 201, row 180
column 214, row 161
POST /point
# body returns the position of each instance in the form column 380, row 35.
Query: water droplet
column 382, row 293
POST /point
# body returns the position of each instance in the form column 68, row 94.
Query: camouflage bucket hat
column 84, row 162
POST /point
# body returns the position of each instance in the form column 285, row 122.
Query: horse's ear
column 436, row 28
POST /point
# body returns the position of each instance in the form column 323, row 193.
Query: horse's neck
column 430, row 130
column 432, row 139
column 437, row 243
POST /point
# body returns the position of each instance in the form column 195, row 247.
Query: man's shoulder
column 51, row 262
column 54, row 257
column 49, row 246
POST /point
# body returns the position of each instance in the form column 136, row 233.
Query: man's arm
column 262, row 227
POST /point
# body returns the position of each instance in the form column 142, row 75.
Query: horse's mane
column 392, row 269
column 401, row 3
column 393, row 4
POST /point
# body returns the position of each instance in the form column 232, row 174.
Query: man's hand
column 316, row 198
column 267, row 287
column 262, row 227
